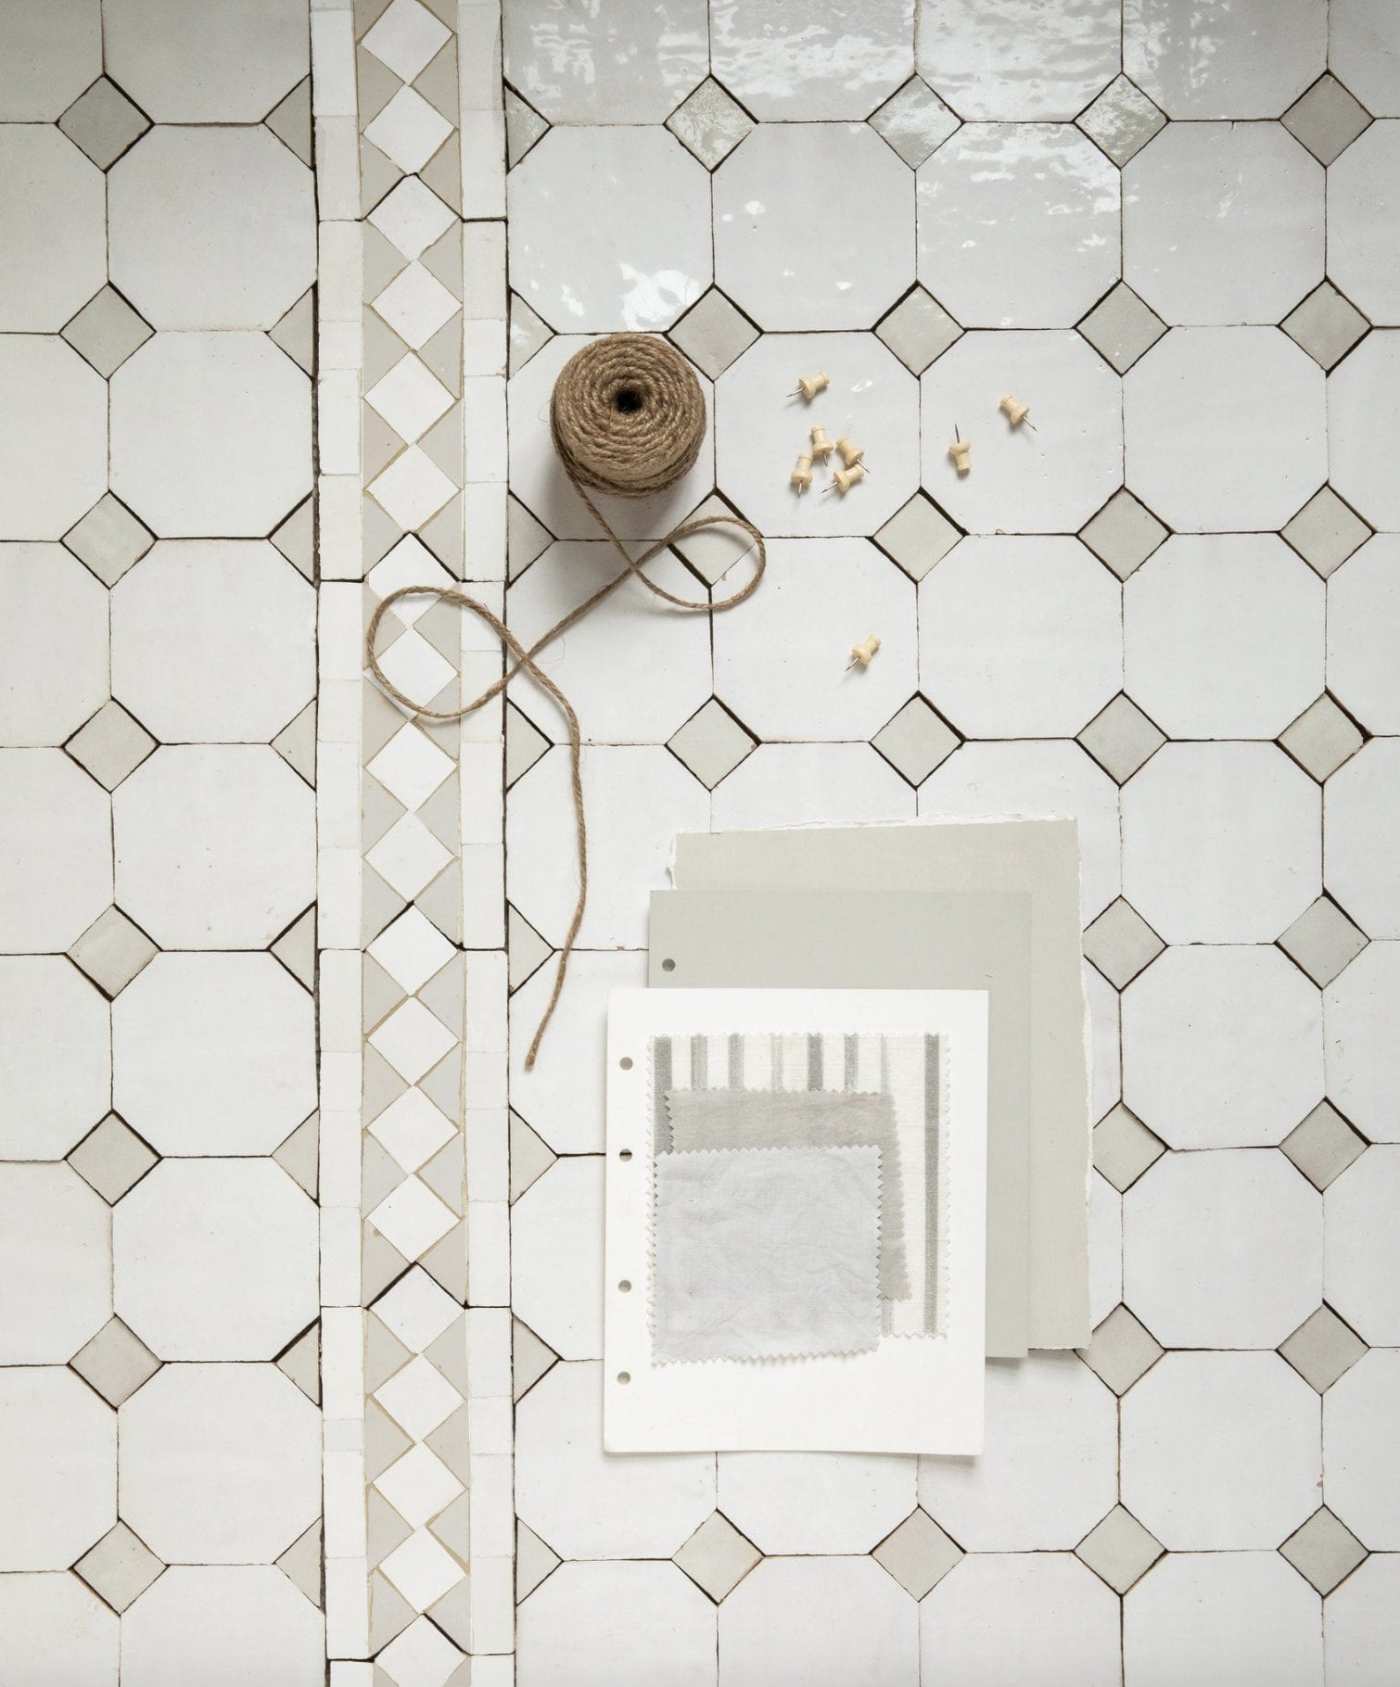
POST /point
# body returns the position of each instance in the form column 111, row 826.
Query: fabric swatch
column 743, row 1118
column 765, row 1253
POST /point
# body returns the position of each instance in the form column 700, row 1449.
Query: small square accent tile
column 713, row 333
column 1326, row 325
column 1123, row 534
column 112, row 1158
column 717, row 1557
column 1322, row 1349
column 115, row 1363
column 1120, row 738
column 1121, row 120
column 711, row 743
column 1323, row 1146
column 1121, row 327
column 412, row 1218
column 917, row 1554
column 106, row 331
column 406, row 37
column 916, row 740
column 918, row 330
column 412, row 1040
column 109, row 539
column 1121, row 1350
column 1120, row 943
column 1119, row 1550
column 408, row 130
column 1327, row 119
column 1124, row 1147
column 914, row 121
column 112, row 951
column 1325, row 532
column 918, row 536
column 709, row 123
column 1323, row 941
column 524, row 126
column 1324, row 1551
column 103, row 123
column 1321, row 738
column 110, row 745
column 415, row 304
column 119, row 1568
column 411, row 217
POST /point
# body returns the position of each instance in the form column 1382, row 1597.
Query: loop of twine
column 628, row 419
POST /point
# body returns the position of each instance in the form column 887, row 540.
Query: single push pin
column 821, row 446
column 863, row 654
column 800, row 479
column 849, row 452
column 844, row 479
column 959, row 451
column 1016, row 412
column 808, row 386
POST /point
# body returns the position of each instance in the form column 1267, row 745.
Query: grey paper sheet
column 1036, row 857
column 980, row 941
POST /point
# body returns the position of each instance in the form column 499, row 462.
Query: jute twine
column 628, row 420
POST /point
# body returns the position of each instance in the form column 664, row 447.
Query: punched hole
column 628, row 400
column 624, row 1287
column 668, row 965
column 624, row 1154
column 626, row 1063
column 624, row 1376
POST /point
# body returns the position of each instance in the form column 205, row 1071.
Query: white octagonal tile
column 1363, row 1247
column 823, row 1621
column 606, row 67
column 55, row 1264
column 557, row 1257
column 1363, row 1458
column 1019, row 61
column 56, row 841
column 1363, row 625
column 247, row 1622
column 815, row 1502
column 55, row 1061
column 1361, row 1624
column 50, row 50
column 1361, row 814
column 53, row 644
column 227, row 64
column 808, row 784
column 1363, row 428
column 53, row 211
column 1364, row 47
column 1251, row 58
column 1363, row 211
column 57, row 1631
column 799, row 60
column 620, row 1624
column 1362, row 1051
column 58, row 1467
column 53, row 441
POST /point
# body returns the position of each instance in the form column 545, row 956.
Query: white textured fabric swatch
column 765, row 1253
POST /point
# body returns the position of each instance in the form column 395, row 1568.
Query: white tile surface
column 1363, row 423
column 56, row 1061
column 1364, row 47
column 617, row 1625
column 53, row 458
column 801, row 784
column 184, row 67
column 814, row 1502
column 1363, row 611
column 55, row 830
column 1362, row 1057
column 1019, row 61
column 50, row 53
column 236, row 1622
column 1018, row 225
column 1361, row 212
column 1362, row 1250
column 55, row 1241
column 1363, row 1473
column 1222, row 1249
column 53, row 644
column 53, row 264
column 1361, row 1624
column 59, row 1466
column 1047, row 1474
column 824, row 1620
column 58, row 1631
column 557, row 1257
column 1222, row 1047
column 1246, row 58
column 800, row 62
column 632, row 67
column 1221, row 1451
column 841, row 178
column 1359, row 811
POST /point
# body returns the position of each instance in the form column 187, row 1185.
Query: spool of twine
column 628, row 420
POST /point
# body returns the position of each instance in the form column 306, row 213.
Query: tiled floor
column 269, row 953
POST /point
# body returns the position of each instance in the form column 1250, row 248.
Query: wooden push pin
column 808, row 386
column 1014, row 411
column 959, row 451
column 821, row 446
column 801, row 477
column 849, row 452
column 844, row 479
column 863, row 654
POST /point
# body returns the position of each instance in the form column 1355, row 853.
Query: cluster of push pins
column 1015, row 412
column 821, row 449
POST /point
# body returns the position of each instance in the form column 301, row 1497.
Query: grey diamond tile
column 290, row 121
column 1326, row 325
column 1120, row 1350
column 110, row 745
column 103, row 123
column 918, row 536
column 1324, row 1551
column 1323, row 941
column 1120, row 738
column 296, row 743
column 1322, row 1349
column 530, row 1156
column 524, row 126
column 1120, row 943
column 713, row 332
column 711, row 743
column 1321, row 738
column 1123, row 534
column 302, row 1563
column 918, row 330
column 713, row 551
column 1323, row 1146
column 119, row 1568
column 914, row 121
column 709, row 123
column 526, row 538
column 112, row 1158
column 917, row 1554
column 916, row 740
column 525, row 744
column 530, row 1358
column 295, row 333
column 528, row 950
column 296, row 948
column 527, row 333
column 115, row 1363
column 106, row 331
column 1121, row 120
column 301, row 1363
column 1325, row 532
column 1327, row 119
column 1119, row 1550
column 1124, row 1147
column 534, row 1560
column 109, row 539
column 296, row 539
column 112, row 951
column 717, row 1557
column 1121, row 327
